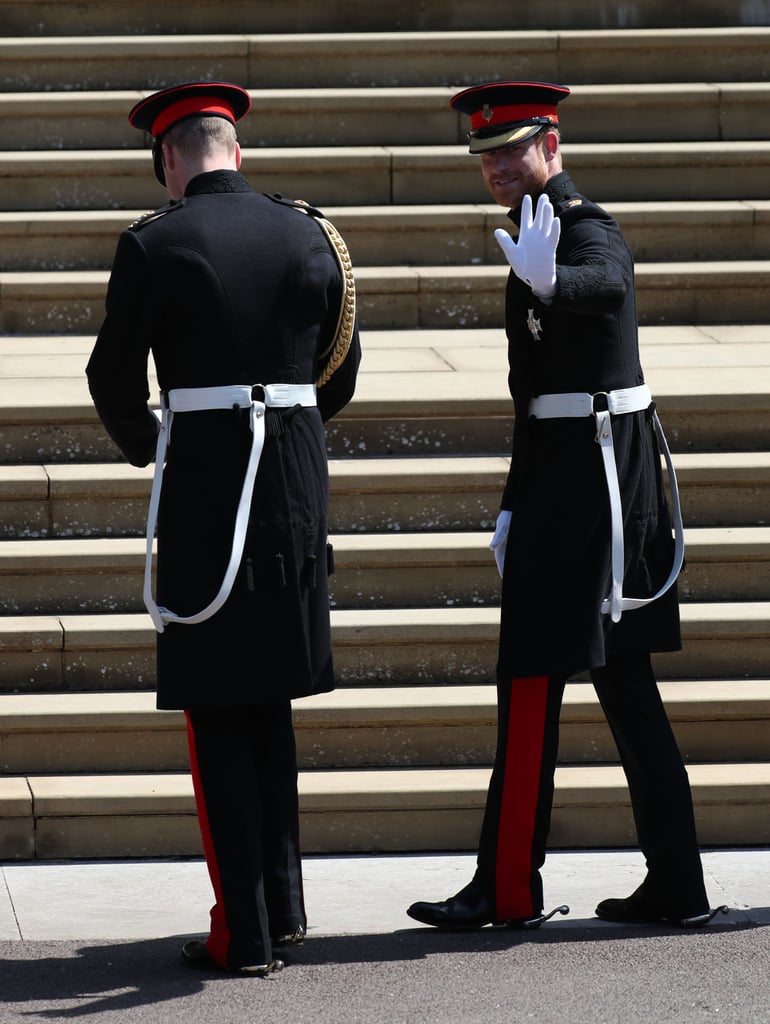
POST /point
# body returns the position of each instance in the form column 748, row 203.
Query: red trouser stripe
column 520, row 794
column 219, row 938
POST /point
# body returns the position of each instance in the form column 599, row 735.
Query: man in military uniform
column 584, row 537
column 246, row 303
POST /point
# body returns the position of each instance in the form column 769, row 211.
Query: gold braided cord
column 343, row 335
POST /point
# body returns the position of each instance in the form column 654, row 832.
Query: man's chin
column 508, row 197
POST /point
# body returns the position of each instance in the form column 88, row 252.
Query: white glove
column 500, row 538
column 533, row 257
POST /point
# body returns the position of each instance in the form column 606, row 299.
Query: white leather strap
column 240, row 395
column 573, row 404
column 601, row 405
column 180, row 400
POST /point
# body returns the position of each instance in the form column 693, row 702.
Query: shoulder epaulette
column 569, row 202
column 295, row 204
column 151, row 215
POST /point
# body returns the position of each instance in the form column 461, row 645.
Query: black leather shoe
column 470, row 910
column 639, row 908
column 195, row 954
column 466, row 911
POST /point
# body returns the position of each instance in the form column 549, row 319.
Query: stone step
column 420, row 392
column 436, row 570
column 453, row 234
column 710, row 382
column 400, row 494
column 402, row 116
column 392, row 175
column 397, row 727
column 358, row 811
column 418, row 679
column 31, row 18
column 386, row 647
column 396, row 495
column 429, row 297
column 386, row 58
column 374, row 571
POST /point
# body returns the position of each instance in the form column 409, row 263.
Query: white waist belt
column 623, row 400
column 199, row 400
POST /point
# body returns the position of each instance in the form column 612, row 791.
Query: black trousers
column 244, row 770
column 517, row 818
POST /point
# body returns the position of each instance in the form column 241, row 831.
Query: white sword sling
column 182, row 400
column 601, row 406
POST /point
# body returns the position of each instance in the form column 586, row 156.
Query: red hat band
column 212, row 105
column 490, row 116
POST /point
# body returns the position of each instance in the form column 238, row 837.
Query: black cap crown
column 503, row 113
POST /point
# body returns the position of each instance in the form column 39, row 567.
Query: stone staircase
column 665, row 128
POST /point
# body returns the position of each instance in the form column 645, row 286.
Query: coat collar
column 557, row 189
column 216, row 181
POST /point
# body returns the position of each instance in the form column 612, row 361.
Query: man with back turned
column 246, row 303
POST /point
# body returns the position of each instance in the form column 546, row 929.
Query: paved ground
column 99, row 942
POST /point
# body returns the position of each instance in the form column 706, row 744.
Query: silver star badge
column 534, row 325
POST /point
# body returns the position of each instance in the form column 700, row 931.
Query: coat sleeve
column 339, row 388
column 117, row 368
column 593, row 265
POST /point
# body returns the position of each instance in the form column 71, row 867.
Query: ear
column 169, row 157
column 550, row 145
column 237, row 157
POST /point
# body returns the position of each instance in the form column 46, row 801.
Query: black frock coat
column 557, row 568
column 228, row 286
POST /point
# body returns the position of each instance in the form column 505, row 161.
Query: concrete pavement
column 85, row 900
column 99, row 942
